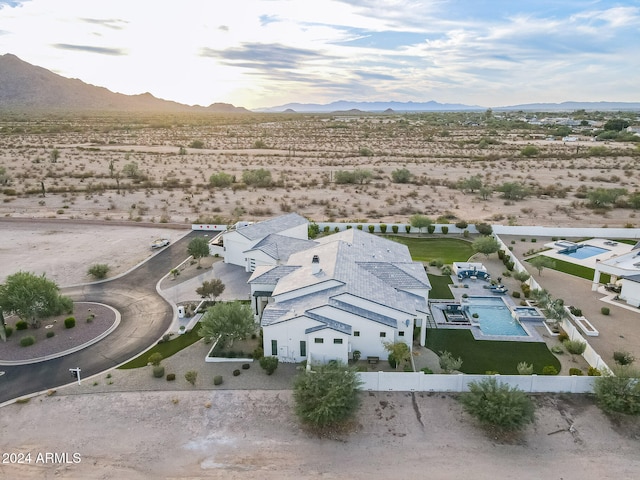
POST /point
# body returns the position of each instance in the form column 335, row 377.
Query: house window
column 318, row 340
column 337, row 341
column 356, row 333
column 274, row 347
column 383, row 334
column 303, row 348
column 401, row 333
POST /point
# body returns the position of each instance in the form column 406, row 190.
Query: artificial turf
column 481, row 356
column 440, row 286
column 577, row 270
column 166, row 349
column 448, row 250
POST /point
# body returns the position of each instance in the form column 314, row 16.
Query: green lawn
column 480, row 356
column 448, row 250
column 440, row 286
column 577, row 270
column 166, row 349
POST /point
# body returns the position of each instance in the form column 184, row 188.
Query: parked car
column 160, row 242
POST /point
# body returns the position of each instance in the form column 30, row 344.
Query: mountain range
column 26, row 87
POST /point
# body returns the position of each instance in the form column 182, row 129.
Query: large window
column 303, row 348
column 274, row 347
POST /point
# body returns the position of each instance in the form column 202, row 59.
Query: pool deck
column 476, row 288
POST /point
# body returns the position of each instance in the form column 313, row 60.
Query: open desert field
column 158, row 168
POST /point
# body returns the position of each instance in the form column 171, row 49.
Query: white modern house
column 625, row 270
column 264, row 243
column 350, row 291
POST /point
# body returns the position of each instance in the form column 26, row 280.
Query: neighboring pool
column 585, row 251
column 494, row 317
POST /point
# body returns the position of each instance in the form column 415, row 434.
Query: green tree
column 155, row 359
column 484, row 228
column 498, row 405
column 228, row 321
column 485, row 192
column 197, row 144
column 198, row 248
column 401, row 175
column 486, row 245
column 529, row 151
column 32, row 297
column 221, row 180
column 257, row 178
column 327, row 396
column 54, row 155
column 99, row 270
column 603, row 197
column 514, row 190
column 400, row 352
column 616, row 124
column 541, row 262
column 211, row 289
column 131, row 170
column 362, row 175
column 269, row 364
column 521, row 276
column 420, row 221
column 619, row 391
column 471, row 184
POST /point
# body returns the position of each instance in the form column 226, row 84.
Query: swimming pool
column 585, row 251
column 494, row 317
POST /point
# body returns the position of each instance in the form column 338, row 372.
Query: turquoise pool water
column 585, row 251
column 494, row 317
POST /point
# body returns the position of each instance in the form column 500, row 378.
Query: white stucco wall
column 234, row 247
column 630, row 292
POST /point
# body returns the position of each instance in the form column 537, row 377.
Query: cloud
column 91, row 49
column 374, row 76
column 11, row 3
column 223, row 28
column 113, row 23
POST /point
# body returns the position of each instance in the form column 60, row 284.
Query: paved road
column 145, row 317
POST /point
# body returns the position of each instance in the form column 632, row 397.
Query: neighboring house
column 264, row 243
column 624, row 269
column 630, row 291
column 348, row 291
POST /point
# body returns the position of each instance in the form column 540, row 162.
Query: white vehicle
column 160, row 242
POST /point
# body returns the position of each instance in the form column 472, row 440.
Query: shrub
column 465, row 234
column 623, row 358
column 171, row 377
column 448, row 364
column 393, row 363
column 462, row 225
column 356, row 355
column 337, row 229
column 21, row 325
column 90, row 318
column 431, row 228
column 258, row 353
column 501, row 254
column 191, row 376
column 69, row 322
column 594, row 372
column 516, row 294
column 158, row 371
column 27, row 341
column 246, row 366
column 492, row 372
column 371, row 228
column 394, row 228
column 155, row 359
column 499, row 405
column 407, row 228
column 525, row 368
column 563, row 336
column 99, row 270
column 221, row 180
column 326, row 229
column 217, row 380
column 549, row 370
column 619, row 392
column 269, row 364
column 575, row 347
column 446, row 270
column 444, row 230
column 383, row 228
column 576, row 312
column 236, row 372
column 575, row 371
column 426, row 371
column 557, row 349
column 8, row 330
column 605, row 310
column 50, row 334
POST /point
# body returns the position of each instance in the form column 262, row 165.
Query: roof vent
column 315, row 265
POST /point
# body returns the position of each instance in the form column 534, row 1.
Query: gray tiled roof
column 273, row 275
column 392, row 274
column 632, row 278
column 271, row 315
column 327, row 323
column 257, row 231
column 280, row 247
column 362, row 312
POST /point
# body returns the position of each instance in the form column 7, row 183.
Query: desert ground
column 145, row 168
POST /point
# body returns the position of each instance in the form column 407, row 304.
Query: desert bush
column 529, row 151
column 269, row 364
column 158, row 371
column 236, row 372
column 69, row 322
column 499, row 405
column 155, row 359
column 401, row 175
column 258, row 353
column 623, row 358
column 257, row 178
column 27, row 341
column 394, row 228
column 525, row 368
column 217, row 380
column 549, row 370
column 563, row 336
column 171, row 377
column 521, row 275
column 516, row 294
column 619, row 392
column 448, row 364
column 197, row 144
column 191, row 376
column 594, row 372
column 446, row 270
column 575, row 347
column 557, row 349
column 575, row 371
column 221, row 180
column 50, row 334
column 99, row 270
column 605, row 310
column 246, row 366
column 21, row 325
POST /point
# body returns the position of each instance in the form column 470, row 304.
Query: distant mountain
column 345, row 106
column 25, row 87
column 572, row 106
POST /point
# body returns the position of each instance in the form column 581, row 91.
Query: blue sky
column 258, row 53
